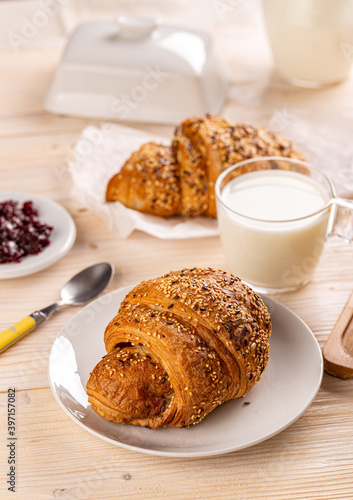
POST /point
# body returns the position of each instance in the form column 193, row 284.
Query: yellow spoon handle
column 26, row 325
column 15, row 332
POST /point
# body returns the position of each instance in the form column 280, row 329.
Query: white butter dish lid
column 136, row 69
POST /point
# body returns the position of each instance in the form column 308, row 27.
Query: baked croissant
column 148, row 181
column 179, row 179
column 179, row 346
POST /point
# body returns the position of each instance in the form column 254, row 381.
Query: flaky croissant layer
column 179, row 346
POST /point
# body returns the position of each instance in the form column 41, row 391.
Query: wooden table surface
column 55, row 458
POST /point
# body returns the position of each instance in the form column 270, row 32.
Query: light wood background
column 55, row 457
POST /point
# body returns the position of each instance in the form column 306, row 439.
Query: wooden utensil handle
column 338, row 349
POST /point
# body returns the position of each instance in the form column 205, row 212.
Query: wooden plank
column 337, row 350
column 312, row 459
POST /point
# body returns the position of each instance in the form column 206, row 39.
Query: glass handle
column 343, row 222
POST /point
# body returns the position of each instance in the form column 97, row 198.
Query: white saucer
column 288, row 386
column 61, row 240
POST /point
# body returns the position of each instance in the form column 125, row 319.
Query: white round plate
column 61, row 239
column 288, row 386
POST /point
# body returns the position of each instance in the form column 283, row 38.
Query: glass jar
column 311, row 40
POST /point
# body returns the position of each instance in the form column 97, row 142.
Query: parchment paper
column 327, row 142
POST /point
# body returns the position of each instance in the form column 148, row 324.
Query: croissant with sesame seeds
column 179, row 179
column 148, row 181
column 180, row 345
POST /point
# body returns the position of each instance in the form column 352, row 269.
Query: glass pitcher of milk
column 274, row 216
column 311, row 40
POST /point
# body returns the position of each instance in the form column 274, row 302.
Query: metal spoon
column 83, row 287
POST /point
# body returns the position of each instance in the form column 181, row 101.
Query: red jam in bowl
column 21, row 231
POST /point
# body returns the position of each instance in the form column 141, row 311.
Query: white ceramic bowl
column 61, row 239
